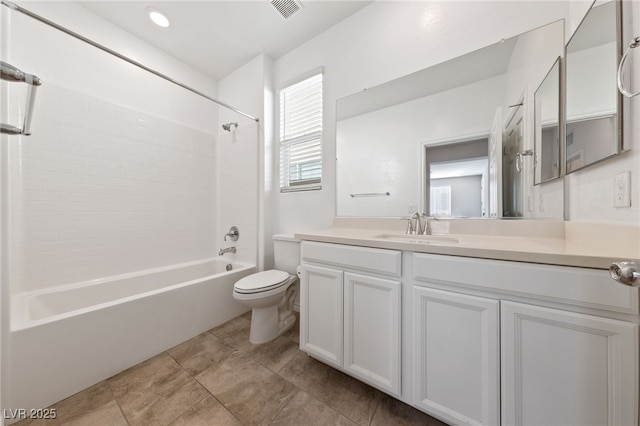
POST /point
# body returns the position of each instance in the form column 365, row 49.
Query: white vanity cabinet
column 456, row 356
column 565, row 347
column 350, row 310
column 567, row 368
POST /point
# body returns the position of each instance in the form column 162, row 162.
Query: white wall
column 119, row 174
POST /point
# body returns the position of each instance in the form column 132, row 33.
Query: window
column 440, row 202
column 301, row 135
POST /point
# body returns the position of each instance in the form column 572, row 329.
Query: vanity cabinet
column 322, row 313
column 567, row 368
column 350, row 310
column 562, row 341
column 456, row 356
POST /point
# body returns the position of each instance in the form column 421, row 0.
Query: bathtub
column 66, row 339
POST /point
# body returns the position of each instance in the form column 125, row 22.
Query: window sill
column 301, row 188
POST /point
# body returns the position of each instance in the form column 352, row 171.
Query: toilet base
column 266, row 324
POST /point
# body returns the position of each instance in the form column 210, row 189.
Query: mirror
column 546, row 127
column 385, row 133
column 593, row 119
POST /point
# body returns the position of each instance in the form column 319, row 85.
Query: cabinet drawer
column 560, row 284
column 366, row 259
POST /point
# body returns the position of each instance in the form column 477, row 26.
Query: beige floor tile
column 304, row 409
column 94, row 406
column 234, row 332
column 274, row 354
column 196, row 354
column 253, row 393
column 294, row 332
column 393, row 412
column 348, row 396
column 208, row 412
column 156, row 391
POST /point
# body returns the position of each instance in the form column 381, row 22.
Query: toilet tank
column 286, row 253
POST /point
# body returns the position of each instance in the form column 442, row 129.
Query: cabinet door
column 565, row 368
column 456, row 360
column 321, row 313
column 372, row 330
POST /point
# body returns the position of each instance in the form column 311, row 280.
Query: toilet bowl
column 271, row 294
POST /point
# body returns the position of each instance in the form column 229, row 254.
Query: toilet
column 271, row 294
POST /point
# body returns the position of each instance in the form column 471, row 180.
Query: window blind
column 301, row 135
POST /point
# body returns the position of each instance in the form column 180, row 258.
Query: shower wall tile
column 238, row 189
column 99, row 189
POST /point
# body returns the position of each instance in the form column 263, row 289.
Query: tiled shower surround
column 99, row 189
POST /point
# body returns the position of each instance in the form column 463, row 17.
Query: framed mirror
column 593, row 104
column 384, row 134
column 546, row 124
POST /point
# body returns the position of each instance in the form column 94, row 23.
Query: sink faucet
column 227, row 250
column 416, row 227
column 426, row 227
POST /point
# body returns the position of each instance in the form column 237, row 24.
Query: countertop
column 587, row 245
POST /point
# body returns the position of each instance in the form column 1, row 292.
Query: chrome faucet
column 415, row 220
column 426, row 230
column 413, row 224
column 426, row 223
column 227, row 250
column 233, row 233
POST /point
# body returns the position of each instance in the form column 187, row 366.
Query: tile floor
column 219, row 378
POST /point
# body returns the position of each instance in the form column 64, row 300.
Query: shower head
column 227, row 126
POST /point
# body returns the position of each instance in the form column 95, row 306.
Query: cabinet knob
column 626, row 272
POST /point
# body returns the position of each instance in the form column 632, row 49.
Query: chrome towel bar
column 10, row 73
column 371, row 194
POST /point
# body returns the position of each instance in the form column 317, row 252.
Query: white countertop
column 550, row 242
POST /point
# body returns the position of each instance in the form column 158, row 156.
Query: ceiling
column 217, row 37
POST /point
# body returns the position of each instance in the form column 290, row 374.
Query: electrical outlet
column 622, row 190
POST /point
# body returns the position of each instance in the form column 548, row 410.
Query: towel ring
column 634, row 43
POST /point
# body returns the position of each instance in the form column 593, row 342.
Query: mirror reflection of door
column 495, row 166
column 457, row 178
column 512, row 144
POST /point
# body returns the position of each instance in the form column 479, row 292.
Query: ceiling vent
column 287, row 8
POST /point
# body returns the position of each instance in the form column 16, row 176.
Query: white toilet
column 271, row 294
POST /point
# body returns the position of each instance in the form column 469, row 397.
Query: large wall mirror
column 432, row 141
column 593, row 103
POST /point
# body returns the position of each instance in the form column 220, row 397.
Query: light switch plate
column 622, row 190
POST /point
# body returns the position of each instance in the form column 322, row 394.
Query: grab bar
column 371, row 194
column 632, row 45
column 10, row 73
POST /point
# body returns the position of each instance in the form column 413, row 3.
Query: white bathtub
column 66, row 339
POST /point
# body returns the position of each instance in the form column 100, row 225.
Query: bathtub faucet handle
column 233, row 233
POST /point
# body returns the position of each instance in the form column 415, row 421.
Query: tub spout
column 227, row 250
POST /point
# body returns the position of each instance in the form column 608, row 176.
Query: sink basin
column 418, row 239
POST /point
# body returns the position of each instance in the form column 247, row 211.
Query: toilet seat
column 261, row 282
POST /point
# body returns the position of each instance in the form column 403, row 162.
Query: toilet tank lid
column 285, row 237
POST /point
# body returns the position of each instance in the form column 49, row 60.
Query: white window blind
column 301, row 135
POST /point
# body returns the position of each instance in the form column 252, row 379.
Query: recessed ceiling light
column 158, row 18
